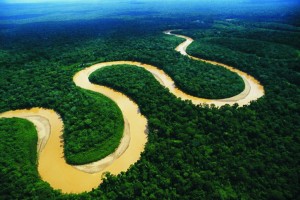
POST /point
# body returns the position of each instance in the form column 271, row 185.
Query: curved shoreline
column 100, row 165
column 75, row 179
column 52, row 166
column 252, row 91
column 40, row 118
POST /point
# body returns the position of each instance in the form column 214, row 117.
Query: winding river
column 75, row 179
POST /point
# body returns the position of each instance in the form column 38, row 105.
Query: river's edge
column 60, row 175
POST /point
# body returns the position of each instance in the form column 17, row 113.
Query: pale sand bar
column 75, row 179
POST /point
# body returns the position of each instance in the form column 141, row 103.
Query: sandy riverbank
column 75, row 179
column 252, row 91
column 52, row 166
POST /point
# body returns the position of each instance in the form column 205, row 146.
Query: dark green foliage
column 88, row 141
column 207, row 81
column 194, row 77
column 225, row 153
column 19, row 178
column 259, row 48
column 193, row 152
column 89, row 119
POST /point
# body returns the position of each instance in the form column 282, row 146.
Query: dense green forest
column 85, row 135
column 19, row 175
column 259, row 48
column 193, row 152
